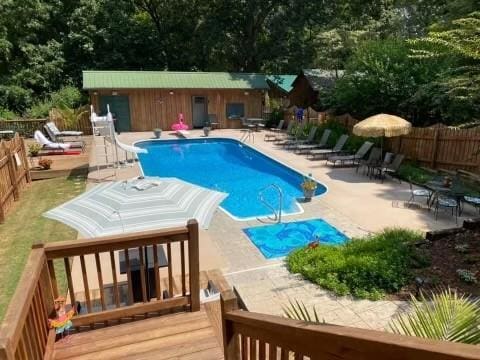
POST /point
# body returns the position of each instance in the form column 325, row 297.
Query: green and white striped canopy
column 137, row 205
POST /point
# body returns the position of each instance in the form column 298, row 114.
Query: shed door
column 199, row 111
column 120, row 108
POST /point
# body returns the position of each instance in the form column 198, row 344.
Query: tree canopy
column 421, row 57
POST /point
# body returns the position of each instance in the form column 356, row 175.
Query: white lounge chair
column 56, row 132
column 50, row 145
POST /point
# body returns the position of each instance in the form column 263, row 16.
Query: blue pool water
column 229, row 166
column 280, row 239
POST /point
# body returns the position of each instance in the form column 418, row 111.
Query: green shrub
column 411, row 172
column 367, row 267
column 68, row 97
column 6, row 114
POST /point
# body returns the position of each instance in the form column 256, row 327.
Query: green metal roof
column 284, row 82
column 172, row 80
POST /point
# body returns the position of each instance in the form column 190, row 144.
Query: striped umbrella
column 137, row 205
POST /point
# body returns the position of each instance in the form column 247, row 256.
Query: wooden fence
column 14, row 172
column 24, row 333
column 24, row 127
column 434, row 147
column 27, row 127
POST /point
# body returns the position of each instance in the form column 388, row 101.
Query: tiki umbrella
column 137, row 205
column 382, row 125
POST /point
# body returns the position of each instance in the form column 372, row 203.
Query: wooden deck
column 192, row 335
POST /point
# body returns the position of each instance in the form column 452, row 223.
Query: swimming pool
column 229, row 166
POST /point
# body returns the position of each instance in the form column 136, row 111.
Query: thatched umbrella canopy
column 382, row 125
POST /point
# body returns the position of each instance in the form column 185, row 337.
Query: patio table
column 149, row 270
column 455, row 191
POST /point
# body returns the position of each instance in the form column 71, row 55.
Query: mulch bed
column 447, row 255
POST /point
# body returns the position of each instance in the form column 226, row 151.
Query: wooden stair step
column 153, row 323
column 138, row 346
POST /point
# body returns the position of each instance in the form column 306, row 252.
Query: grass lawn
column 25, row 226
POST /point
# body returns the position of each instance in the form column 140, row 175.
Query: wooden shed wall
column 151, row 108
column 302, row 94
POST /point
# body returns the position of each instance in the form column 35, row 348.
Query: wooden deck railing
column 250, row 336
column 24, row 333
column 14, row 172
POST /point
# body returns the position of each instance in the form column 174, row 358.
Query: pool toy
column 180, row 124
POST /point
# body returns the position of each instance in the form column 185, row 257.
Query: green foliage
column 298, row 311
column 367, row 267
column 467, row 276
column 67, row 97
column 6, row 114
column 446, row 316
column 410, row 172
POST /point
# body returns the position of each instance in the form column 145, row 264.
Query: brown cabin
column 144, row 100
column 308, row 85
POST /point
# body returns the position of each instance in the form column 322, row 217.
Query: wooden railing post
column 193, row 265
column 25, row 159
column 11, row 171
column 228, row 302
column 6, row 351
column 435, row 149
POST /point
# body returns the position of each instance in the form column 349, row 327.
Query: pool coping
column 298, row 204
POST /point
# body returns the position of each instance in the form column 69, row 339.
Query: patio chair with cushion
column 337, row 149
column 421, row 193
column 303, row 148
column 351, row 159
column 446, row 202
column 390, row 169
column 274, row 131
column 213, row 121
column 373, row 159
column 48, row 145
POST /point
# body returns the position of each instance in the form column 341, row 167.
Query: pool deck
column 354, row 204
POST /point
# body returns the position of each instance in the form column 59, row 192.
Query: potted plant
column 157, row 132
column 309, row 185
column 206, row 128
column 45, row 164
column 34, row 149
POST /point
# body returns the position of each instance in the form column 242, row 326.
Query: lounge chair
column 274, row 131
column 303, row 148
column 297, row 133
column 59, row 139
column 373, row 159
column 56, row 132
column 308, row 141
column 352, row 159
column 337, row 149
column 288, row 132
column 390, row 169
column 48, row 145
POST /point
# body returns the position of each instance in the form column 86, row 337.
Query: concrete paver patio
column 354, row 204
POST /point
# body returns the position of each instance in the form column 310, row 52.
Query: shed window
column 235, row 110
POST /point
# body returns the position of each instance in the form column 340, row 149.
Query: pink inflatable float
column 180, row 125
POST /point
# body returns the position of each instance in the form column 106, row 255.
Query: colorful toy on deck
column 180, row 124
column 63, row 320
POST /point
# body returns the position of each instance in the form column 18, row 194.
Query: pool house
column 144, row 100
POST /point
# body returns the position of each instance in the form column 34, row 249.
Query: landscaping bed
column 453, row 260
column 393, row 264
